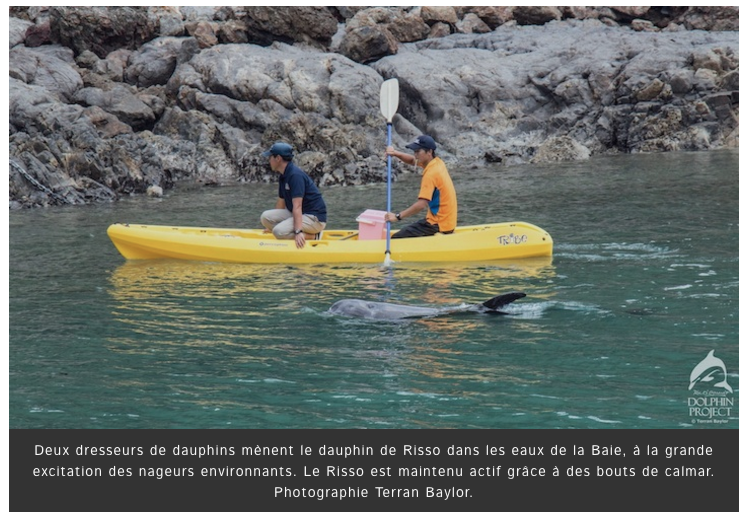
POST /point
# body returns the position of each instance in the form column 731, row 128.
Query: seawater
column 643, row 284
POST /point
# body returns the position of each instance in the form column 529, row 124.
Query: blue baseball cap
column 280, row 148
column 423, row 142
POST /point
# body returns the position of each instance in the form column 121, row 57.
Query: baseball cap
column 422, row 142
column 280, row 148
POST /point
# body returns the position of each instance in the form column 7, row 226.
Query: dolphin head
column 705, row 370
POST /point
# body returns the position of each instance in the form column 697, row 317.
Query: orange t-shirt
column 437, row 188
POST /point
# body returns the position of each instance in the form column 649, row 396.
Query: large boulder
column 154, row 62
column 403, row 25
column 312, row 25
column 368, row 43
column 375, row 32
column 17, row 30
column 492, row 16
column 120, row 102
column 51, row 68
column 536, row 15
column 101, row 29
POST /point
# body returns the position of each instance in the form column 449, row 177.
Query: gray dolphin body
column 390, row 311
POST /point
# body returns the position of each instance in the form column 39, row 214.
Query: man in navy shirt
column 300, row 211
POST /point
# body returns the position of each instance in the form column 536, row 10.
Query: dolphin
column 706, row 368
column 390, row 311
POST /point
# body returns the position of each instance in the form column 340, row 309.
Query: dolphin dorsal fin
column 502, row 300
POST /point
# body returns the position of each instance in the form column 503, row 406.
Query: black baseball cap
column 280, row 148
column 422, row 142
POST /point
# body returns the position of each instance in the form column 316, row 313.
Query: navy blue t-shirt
column 295, row 183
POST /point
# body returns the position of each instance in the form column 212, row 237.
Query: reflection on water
column 155, row 285
column 182, row 304
column 133, row 277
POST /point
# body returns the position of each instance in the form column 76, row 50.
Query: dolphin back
column 495, row 303
column 388, row 311
column 378, row 310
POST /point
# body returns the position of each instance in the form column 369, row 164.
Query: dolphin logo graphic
column 705, row 370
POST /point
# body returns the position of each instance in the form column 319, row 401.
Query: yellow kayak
column 510, row 240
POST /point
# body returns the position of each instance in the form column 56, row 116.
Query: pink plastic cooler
column 372, row 225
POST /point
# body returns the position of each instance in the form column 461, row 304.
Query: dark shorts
column 418, row 229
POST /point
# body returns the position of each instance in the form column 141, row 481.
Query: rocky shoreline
column 111, row 101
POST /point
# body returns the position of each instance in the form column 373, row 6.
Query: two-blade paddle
column 388, row 107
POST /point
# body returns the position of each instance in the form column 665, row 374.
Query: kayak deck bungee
column 509, row 240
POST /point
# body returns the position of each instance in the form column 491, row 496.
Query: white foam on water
column 537, row 310
column 546, row 396
column 602, row 420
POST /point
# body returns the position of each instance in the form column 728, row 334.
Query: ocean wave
column 537, row 310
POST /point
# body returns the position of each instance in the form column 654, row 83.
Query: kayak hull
column 510, row 240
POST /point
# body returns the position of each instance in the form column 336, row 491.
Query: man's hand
column 300, row 240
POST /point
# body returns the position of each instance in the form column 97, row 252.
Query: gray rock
column 471, row 23
column 560, row 149
column 154, row 62
column 113, row 67
column 203, row 32
column 120, row 102
column 681, row 81
column 368, row 43
column 492, row 16
column 233, row 31
column 39, row 34
column 536, row 15
column 101, row 29
column 404, row 26
column 439, row 14
column 440, row 30
column 155, row 191
column 312, row 25
column 50, row 68
column 17, row 32
column 169, row 20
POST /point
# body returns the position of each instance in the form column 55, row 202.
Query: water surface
column 644, row 282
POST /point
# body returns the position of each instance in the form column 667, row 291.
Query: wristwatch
column 298, row 231
column 397, row 216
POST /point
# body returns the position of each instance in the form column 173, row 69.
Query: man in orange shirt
column 437, row 193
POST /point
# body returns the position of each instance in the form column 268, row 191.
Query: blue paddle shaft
column 390, row 136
